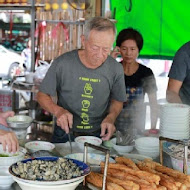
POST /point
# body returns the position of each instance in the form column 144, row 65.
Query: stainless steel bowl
column 19, row 121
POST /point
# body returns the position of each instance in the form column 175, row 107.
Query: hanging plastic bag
column 41, row 71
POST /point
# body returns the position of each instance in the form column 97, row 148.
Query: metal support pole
column 33, row 36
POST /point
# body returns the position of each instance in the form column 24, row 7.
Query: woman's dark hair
column 130, row 34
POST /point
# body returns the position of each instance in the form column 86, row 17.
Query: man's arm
column 4, row 116
column 172, row 93
column 64, row 117
column 107, row 126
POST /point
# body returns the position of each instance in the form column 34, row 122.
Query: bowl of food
column 89, row 139
column 19, row 122
column 121, row 149
column 35, row 146
column 49, row 173
column 8, row 158
column 6, row 179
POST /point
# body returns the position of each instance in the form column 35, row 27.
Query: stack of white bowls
column 148, row 146
column 174, row 121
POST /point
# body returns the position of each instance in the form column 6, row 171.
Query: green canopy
column 164, row 24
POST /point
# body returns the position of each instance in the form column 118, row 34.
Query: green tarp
column 164, row 24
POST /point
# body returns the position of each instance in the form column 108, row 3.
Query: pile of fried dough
column 145, row 175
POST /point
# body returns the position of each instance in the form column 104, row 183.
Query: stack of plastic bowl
column 6, row 179
column 148, row 146
column 6, row 159
column 174, row 121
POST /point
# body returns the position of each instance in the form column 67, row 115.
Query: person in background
column 26, row 54
column 178, row 90
column 89, row 85
column 139, row 80
column 7, row 138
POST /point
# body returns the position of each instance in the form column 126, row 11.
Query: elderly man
column 89, row 85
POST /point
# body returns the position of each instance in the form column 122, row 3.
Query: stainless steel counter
column 62, row 149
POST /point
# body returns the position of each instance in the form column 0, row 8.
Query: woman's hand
column 115, row 52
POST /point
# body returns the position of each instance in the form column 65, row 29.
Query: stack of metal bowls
column 19, row 124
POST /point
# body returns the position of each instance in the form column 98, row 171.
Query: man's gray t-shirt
column 84, row 92
column 180, row 71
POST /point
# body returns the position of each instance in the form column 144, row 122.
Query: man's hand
column 9, row 141
column 64, row 119
column 107, row 130
column 4, row 116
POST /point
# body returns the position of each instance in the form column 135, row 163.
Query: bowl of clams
column 53, row 173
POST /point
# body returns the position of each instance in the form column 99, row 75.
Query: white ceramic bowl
column 147, row 149
column 6, row 179
column 92, row 158
column 28, row 186
column 34, row 146
column 11, row 157
column 147, row 142
column 148, row 146
column 89, row 139
column 122, row 149
column 152, row 154
column 19, row 122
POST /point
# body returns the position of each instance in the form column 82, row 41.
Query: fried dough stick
column 126, row 184
column 160, row 187
column 166, row 181
column 184, row 179
column 96, row 180
column 150, row 163
column 113, row 186
column 126, row 161
column 152, row 178
column 173, row 173
column 163, row 169
column 144, row 185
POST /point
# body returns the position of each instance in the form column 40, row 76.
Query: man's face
column 97, row 47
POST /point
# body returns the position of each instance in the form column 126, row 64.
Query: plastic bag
column 41, row 71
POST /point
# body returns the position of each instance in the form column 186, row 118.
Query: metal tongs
column 70, row 143
column 123, row 138
column 107, row 155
